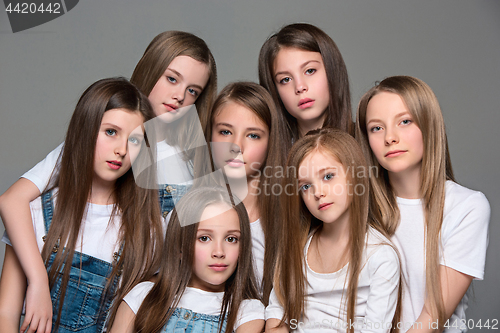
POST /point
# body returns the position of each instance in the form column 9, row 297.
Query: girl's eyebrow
column 180, row 75
column 301, row 66
column 112, row 125
column 228, row 231
column 248, row 128
column 401, row 114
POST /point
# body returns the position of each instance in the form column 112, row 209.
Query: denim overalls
column 85, row 309
column 187, row 321
column 169, row 195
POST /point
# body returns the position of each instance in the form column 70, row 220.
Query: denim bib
column 169, row 195
column 85, row 306
column 187, row 321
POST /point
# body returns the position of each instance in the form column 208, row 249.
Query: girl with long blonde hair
column 439, row 227
column 335, row 269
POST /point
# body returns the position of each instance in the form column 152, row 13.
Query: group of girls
column 371, row 234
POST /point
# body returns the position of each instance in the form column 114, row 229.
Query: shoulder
column 380, row 251
column 135, row 297
column 463, row 204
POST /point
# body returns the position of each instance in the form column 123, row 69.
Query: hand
column 38, row 308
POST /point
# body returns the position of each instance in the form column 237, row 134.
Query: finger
column 26, row 322
column 48, row 325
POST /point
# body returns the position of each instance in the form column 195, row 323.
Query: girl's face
column 323, row 187
column 396, row 141
column 300, row 78
column 180, row 85
column 216, row 249
column 240, row 141
column 119, row 137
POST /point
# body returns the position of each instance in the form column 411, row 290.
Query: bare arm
column 12, row 290
column 16, row 215
column 272, row 326
column 124, row 320
column 454, row 285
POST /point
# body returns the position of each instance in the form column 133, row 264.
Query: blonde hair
column 435, row 170
column 298, row 222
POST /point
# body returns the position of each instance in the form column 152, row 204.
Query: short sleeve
column 464, row 236
column 384, row 272
column 274, row 309
column 135, row 297
column 40, row 173
column 250, row 309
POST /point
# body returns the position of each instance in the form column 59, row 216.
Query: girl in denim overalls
column 206, row 281
column 176, row 70
column 98, row 232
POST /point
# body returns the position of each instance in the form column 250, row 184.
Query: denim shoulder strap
column 48, row 210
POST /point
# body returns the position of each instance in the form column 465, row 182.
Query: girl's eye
column 171, row 79
column 232, row 239
column 328, row 176
column 203, row 239
column 375, row 129
column 254, row 136
column 134, row 140
column 193, row 92
column 225, row 132
column 406, row 122
column 110, row 132
column 285, row 80
column 310, row 71
column 305, row 187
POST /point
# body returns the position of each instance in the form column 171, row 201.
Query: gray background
column 452, row 45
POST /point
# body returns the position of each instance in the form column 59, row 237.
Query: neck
column 305, row 126
column 337, row 231
column 406, row 184
column 102, row 193
column 251, row 200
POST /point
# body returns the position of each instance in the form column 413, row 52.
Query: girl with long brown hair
column 243, row 128
column 439, row 227
column 206, row 281
column 304, row 72
column 176, row 70
column 335, row 270
column 96, row 229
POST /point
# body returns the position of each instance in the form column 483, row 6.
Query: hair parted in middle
column 290, row 280
column 138, row 207
column 178, row 256
column 422, row 104
column 255, row 98
column 308, row 37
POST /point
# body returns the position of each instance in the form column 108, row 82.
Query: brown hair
column 178, row 257
column 257, row 99
column 307, row 37
column 290, row 279
column 158, row 55
column 425, row 111
column 140, row 216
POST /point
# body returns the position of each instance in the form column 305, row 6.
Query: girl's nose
column 121, row 147
column 300, row 86
column 391, row 137
column 218, row 251
column 179, row 94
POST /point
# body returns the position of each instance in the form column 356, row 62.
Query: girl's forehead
column 219, row 215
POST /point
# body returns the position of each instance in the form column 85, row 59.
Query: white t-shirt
column 98, row 236
column 171, row 168
column 326, row 293
column 199, row 301
column 258, row 248
column 464, row 239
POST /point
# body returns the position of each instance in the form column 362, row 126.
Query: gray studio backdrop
column 452, row 45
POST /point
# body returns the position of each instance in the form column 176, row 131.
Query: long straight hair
column 298, row 222
column 435, row 170
column 255, row 98
column 140, row 227
column 308, row 37
column 178, row 258
column 164, row 48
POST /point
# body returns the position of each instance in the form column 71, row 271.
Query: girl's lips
column 115, row 165
column 218, row 267
column 325, row 206
column 235, row 163
column 395, row 153
column 171, row 107
column 305, row 103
